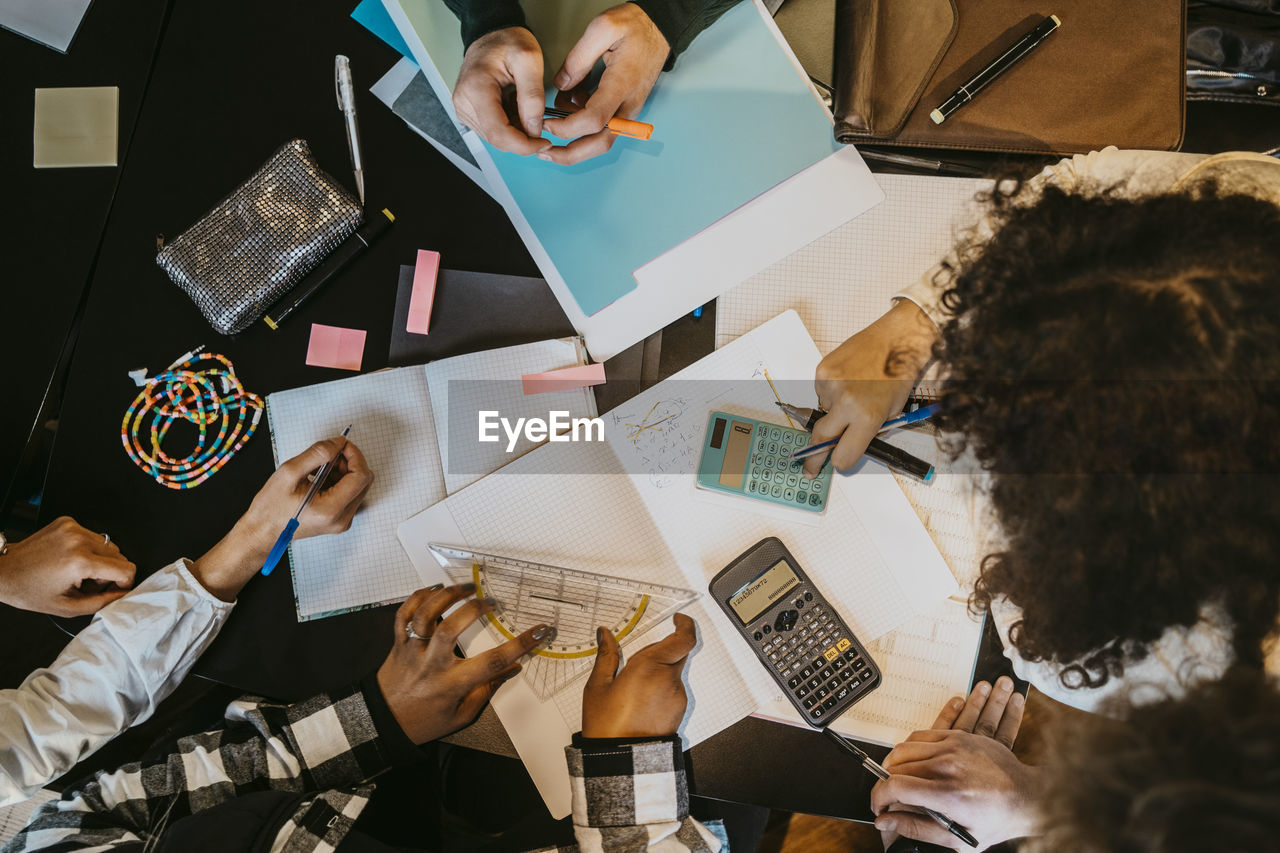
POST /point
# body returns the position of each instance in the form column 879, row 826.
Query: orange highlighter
column 616, row 125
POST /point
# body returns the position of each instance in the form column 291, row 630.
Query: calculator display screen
column 736, row 453
column 763, row 591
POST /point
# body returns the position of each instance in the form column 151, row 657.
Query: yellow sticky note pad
column 76, row 127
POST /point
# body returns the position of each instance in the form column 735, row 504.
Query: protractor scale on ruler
column 575, row 602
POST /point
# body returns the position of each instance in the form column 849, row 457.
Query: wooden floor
column 801, row 833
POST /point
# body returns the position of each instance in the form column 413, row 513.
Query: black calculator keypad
column 813, row 655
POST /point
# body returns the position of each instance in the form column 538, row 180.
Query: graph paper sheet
column 844, row 281
column 841, row 282
column 838, row 285
column 393, row 424
column 462, row 386
column 638, row 516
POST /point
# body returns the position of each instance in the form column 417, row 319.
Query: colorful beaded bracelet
column 201, row 388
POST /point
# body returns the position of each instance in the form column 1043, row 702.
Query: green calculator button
column 777, row 491
column 793, row 480
column 789, row 494
column 760, row 444
column 814, row 499
column 788, row 438
column 773, row 447
column 801, row 497
column 804, row 483
column 769, row 462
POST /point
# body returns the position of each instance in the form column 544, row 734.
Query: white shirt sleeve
column 109, row 677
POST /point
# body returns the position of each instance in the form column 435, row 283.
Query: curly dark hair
column 1113, row 364
column 1195, row 774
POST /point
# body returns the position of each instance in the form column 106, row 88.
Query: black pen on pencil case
column 879, row 449
column 871, row 766
column 1009, row 57
column 338, row 259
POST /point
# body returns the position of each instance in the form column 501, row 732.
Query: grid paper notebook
column 838, row 285
column 403, row 438
column 639, row 515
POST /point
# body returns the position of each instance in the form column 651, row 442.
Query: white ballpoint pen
column 347, row 104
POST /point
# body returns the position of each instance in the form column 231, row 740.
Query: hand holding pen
column 328, row 503
column 868, row 379
column 894, row 457
column 963, row 769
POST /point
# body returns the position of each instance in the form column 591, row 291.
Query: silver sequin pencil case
column 258, row 242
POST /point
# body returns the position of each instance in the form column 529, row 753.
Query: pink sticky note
column 564, row 379
column 334, row 346
column 424, row 291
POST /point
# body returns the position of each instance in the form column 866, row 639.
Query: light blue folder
column 732, row 119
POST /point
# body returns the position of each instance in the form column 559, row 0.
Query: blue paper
column 373, row 16
column 732, row 120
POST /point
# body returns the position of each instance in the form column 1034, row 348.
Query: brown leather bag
column 1112, row 74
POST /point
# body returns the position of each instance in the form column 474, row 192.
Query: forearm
column 680, row 21
column 109, row 677
column 232, row 563
column 631, row 798
column 323, row 744
column 481, row 17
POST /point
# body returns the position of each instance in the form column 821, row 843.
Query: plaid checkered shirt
column 627, row 797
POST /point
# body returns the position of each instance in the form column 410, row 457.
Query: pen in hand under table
column 317, row 483
column 880, row 773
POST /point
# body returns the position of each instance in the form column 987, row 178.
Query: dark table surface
column 232, row 81
column 53, row 218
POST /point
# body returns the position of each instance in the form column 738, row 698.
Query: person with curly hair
column 1110, row 342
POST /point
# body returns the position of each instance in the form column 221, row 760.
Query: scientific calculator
column 747, row 457
column 795, row 632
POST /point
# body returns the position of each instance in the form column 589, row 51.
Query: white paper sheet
column 51, row 22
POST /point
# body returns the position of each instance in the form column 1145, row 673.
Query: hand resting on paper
column 963, row 767
column 647, row 698
column 499, row 93
column 430, row 691
column 867, row 380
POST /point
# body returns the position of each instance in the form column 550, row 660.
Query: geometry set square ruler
column 574, row 602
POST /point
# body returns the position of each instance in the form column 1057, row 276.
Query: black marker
column 879, row 449
column 1002, row 63
column 334, row 264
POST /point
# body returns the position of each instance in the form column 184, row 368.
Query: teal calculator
column 747, row 457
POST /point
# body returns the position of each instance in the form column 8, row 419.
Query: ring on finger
column 414, row 635
column 106, row 539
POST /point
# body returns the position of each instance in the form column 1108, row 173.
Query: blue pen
column 317, row 483
column 920, row 414
column 909, row 418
